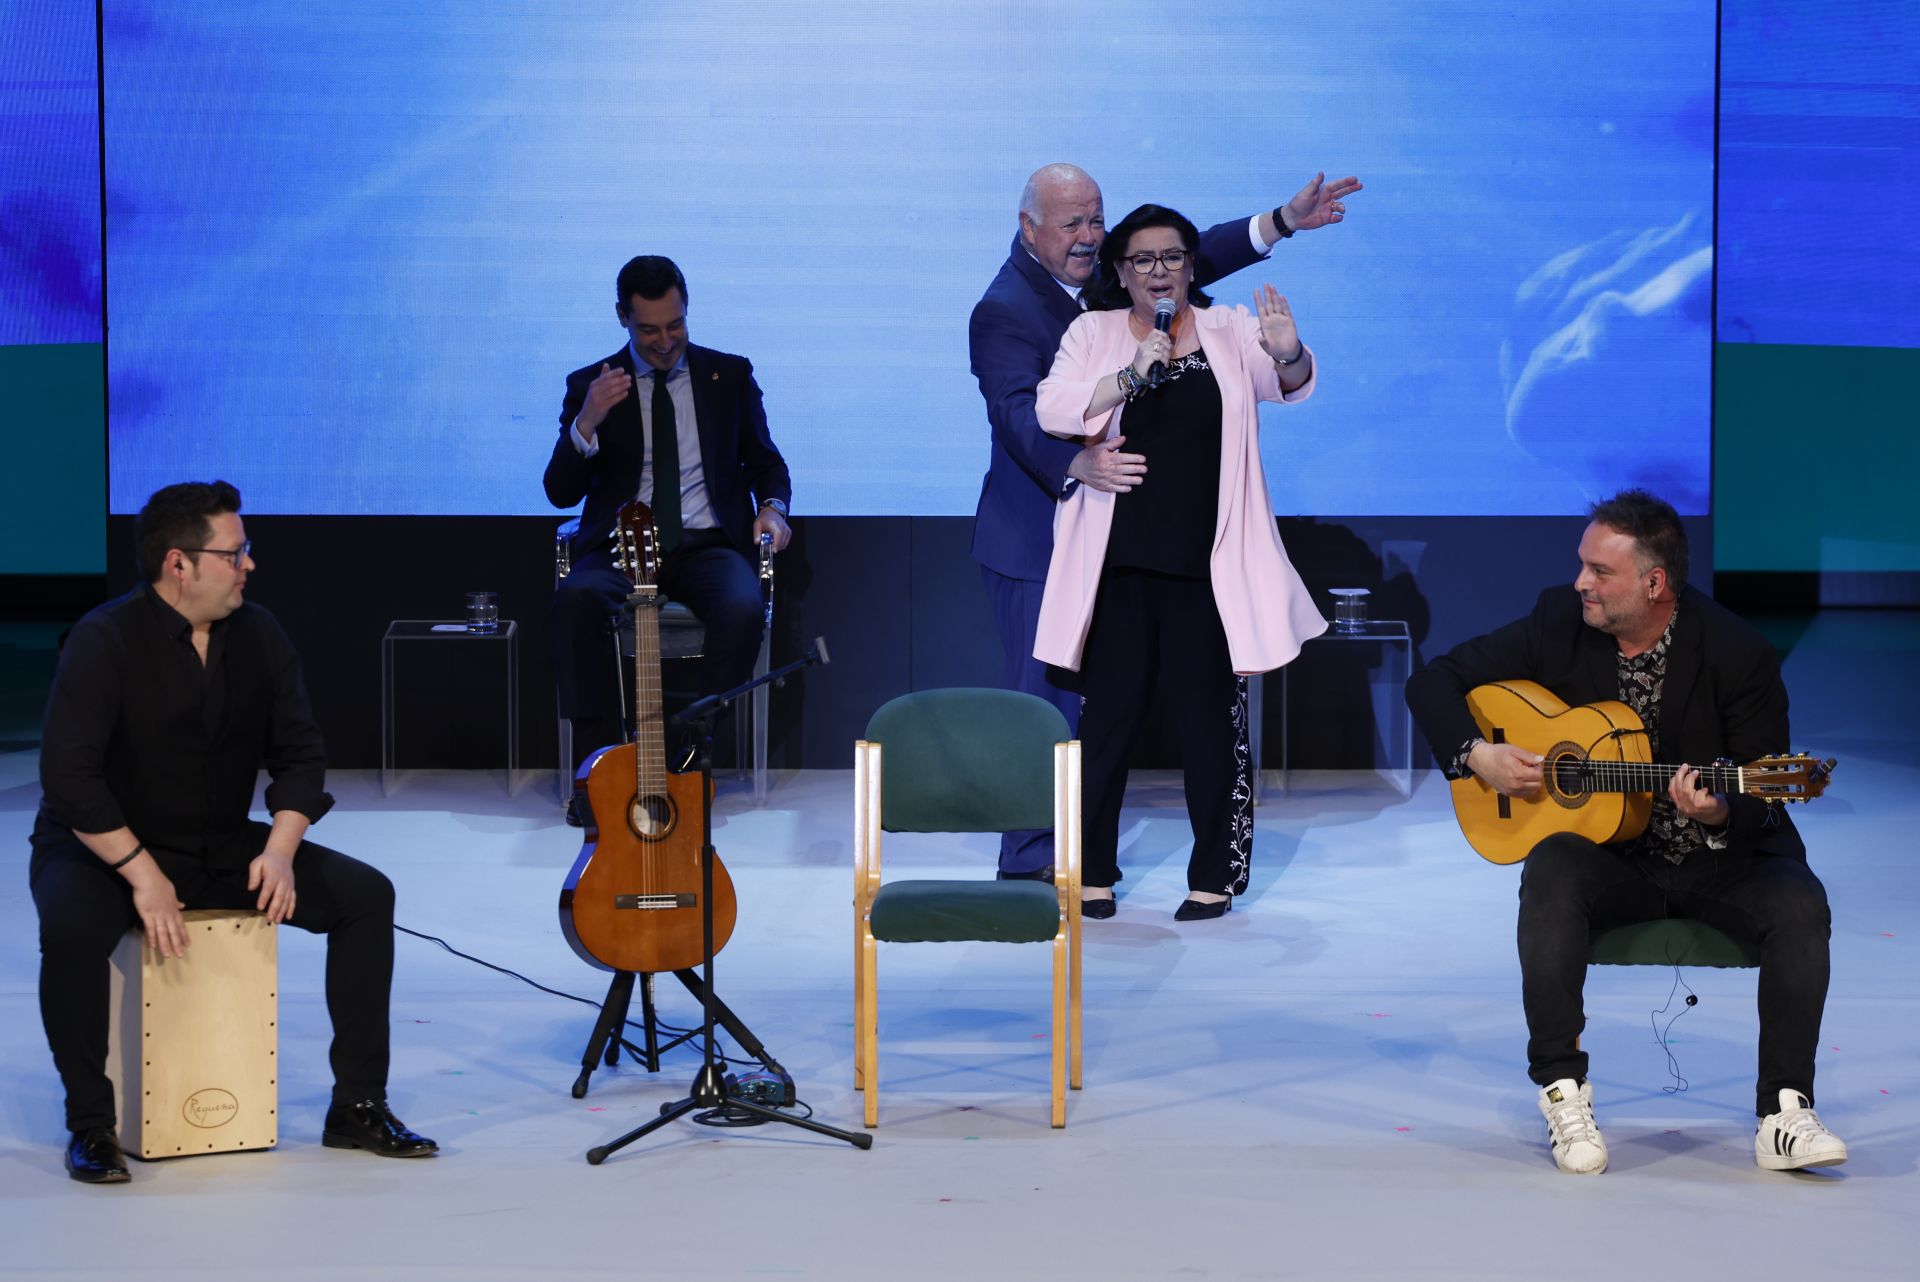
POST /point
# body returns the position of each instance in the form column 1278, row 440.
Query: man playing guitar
column 1705, row 685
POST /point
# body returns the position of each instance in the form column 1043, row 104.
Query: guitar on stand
column 1598, row 776
column 632, row 899
column 727, row 1100
column 632, row 902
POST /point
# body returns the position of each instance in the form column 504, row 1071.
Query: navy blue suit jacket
column 737, row 454
column 1012, row 336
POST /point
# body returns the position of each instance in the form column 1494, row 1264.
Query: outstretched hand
column 1279, row 337
column 1320, row 202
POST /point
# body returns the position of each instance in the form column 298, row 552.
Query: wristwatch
column 1280, row 222
column 777, row 505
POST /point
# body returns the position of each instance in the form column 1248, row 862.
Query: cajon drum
column 193, row 1047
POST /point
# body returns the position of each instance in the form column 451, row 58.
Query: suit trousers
column 706, row 573
column 1570, row 887
column 1016, row 617
column 1153, row 628
column 85, row 908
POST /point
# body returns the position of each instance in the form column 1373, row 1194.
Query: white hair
column 1055, row 175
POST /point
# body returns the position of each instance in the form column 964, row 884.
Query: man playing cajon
column 167, row 704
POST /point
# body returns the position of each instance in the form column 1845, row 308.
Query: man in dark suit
column 1014, row 332
column 1706, row 686
column 691, row 442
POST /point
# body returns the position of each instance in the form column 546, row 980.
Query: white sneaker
column 1577, row 1146
column 1794, row 1138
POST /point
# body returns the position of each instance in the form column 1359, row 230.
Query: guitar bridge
column 655, row 902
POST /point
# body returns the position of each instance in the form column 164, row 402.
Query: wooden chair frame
column 1066, row 1035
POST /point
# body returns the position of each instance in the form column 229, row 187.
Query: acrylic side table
column 1392, row 721
column 447, row 632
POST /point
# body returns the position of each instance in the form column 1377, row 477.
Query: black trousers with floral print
column 1161, row 631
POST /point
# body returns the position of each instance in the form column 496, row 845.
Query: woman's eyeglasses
column 1173, row 260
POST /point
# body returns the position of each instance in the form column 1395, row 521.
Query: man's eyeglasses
column 1173, row 260
column 235, row 555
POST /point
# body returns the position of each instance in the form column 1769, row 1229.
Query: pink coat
column 1263, row 605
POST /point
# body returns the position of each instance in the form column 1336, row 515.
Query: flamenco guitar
column 1598, row 775
column 632, row 899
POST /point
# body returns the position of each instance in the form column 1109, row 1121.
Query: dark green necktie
column 666, row 465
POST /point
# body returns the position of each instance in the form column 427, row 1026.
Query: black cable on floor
column 669, row 1029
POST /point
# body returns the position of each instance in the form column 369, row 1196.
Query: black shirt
column 140, row 734
column 1167, row 522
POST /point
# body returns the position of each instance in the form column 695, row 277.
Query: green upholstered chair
column 967, row 761
column 1672, row 941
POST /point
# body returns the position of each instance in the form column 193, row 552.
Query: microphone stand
column 712, row 1088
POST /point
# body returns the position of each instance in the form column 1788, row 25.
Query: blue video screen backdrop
column 52, row 412
column 354, row 250
column 1820, row 178
column 49, row 175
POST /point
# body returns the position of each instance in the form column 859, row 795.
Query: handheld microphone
column 1163, row 321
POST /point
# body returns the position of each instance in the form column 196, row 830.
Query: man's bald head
column 1062, row 221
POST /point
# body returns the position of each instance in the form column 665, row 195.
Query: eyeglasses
column 1173, row 260
column 235, row 555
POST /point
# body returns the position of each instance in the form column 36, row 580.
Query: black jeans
column 706, row 573
column 1570, row 888
column 1149, row 627
column 85, row 907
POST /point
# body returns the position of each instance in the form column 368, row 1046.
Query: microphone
column 820, row 655
column 1163, row 321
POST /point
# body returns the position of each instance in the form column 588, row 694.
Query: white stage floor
column 1328, row 1083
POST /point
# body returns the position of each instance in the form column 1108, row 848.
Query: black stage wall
column 898, row 599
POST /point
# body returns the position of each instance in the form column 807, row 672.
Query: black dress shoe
column 576, row 811
column 94, row 1157
column 1196, row 910
column 1043, row 873
column 1099, row 909
column 371, row 1125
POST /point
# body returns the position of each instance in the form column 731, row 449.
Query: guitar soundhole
column 651, row 817
column 1565, row 775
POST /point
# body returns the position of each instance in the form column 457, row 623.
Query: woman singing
column 1183, row 578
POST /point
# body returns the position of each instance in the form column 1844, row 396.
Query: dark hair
column 1654, row 527
column 178, row 517
column 1107, row 292
column 650, row 276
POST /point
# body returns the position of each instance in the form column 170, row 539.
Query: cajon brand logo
column 210, row 1108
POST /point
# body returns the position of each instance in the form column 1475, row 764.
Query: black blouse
column 1166, row 523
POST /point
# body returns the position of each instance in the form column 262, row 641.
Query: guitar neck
column 649, row 717
column 1643, row 776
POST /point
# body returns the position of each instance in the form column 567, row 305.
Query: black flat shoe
column 1036, row 874
column 1197, row 910
column 94, row 1157
column 371, row 1125
column 1098, row 909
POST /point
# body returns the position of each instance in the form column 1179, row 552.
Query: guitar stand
column 712, row 1088
column 607, row 1037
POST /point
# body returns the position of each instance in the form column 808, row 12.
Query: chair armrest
column 766, row 582
column 866, row 824
column 1066, row 822
column 563, row 547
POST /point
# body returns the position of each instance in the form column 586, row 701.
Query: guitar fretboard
column 649, row 721
column 1576, row 775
